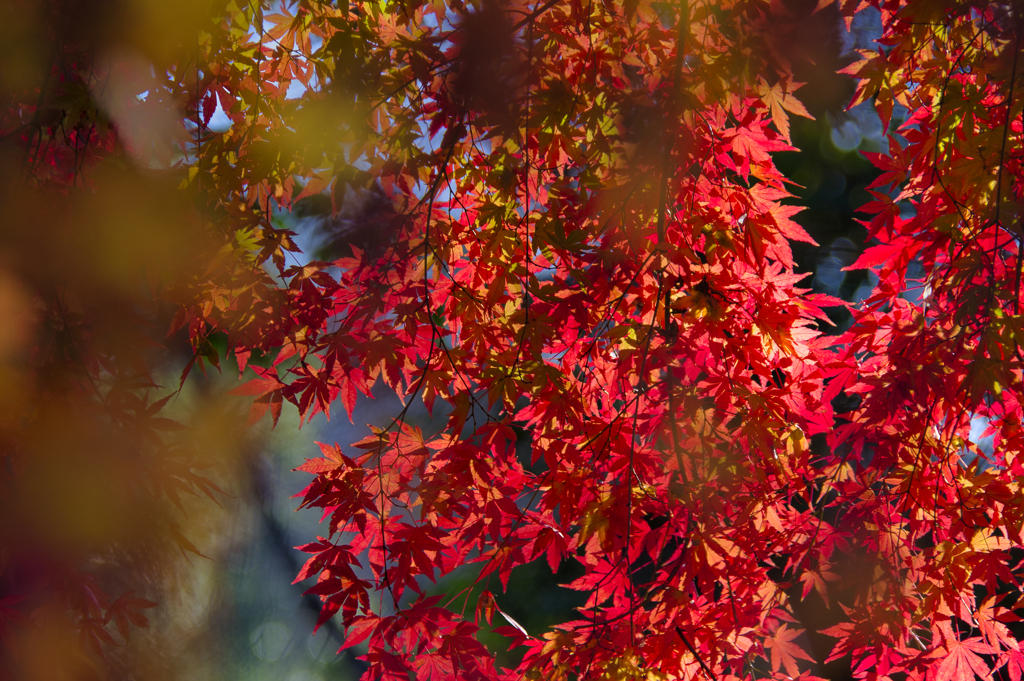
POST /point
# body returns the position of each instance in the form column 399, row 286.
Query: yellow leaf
column 984, row 541
column 779, row 101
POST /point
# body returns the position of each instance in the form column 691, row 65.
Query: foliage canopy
column 560, row 225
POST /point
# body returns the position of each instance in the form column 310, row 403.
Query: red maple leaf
column 962, row 660
column 785, row 653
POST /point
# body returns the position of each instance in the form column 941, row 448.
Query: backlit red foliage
column 561, row 222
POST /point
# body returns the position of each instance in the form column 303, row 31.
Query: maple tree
column 559, row 225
